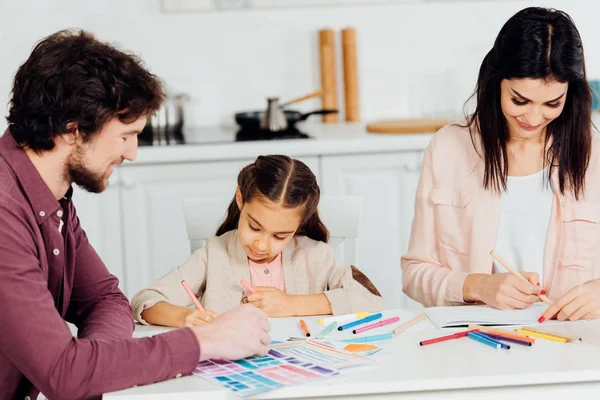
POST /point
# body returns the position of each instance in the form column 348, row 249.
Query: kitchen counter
column 218, row 143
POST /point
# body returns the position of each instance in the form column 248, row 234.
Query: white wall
column 414, row 59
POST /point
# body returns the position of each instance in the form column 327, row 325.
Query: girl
column 273, row 238
column 521, row 177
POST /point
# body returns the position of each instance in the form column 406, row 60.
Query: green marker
column 327, row 330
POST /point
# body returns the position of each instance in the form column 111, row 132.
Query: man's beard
column 80, row 175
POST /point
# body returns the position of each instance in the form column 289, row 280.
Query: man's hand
column 239, row 333
column 581, row 302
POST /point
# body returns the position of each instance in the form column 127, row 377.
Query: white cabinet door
column 100, row 218
column 387, row 184
column 155, row 237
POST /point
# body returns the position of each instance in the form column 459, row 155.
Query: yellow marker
column 542, row 336
column 342, row 319
column 569, row 338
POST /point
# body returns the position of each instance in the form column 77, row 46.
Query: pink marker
column 247, row 286
column 377, row 325
column 192, row 295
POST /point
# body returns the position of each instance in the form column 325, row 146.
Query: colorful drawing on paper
column 259, row 374
column 321, row 353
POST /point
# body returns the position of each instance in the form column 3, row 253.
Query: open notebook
column 446, row 317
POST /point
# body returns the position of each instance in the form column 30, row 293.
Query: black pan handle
column 317, row 112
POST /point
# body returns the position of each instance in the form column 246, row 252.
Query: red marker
column 449, row 337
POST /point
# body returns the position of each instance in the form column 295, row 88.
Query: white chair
column 340, row 214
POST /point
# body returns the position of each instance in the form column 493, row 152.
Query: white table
column 459, row 369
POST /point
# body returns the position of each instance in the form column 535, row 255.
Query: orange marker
column 192, row 296
column 304, row 328
column 248, row 286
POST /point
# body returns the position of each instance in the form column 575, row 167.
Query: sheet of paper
column 321, row 353
column 446, row 317
column 260, row 374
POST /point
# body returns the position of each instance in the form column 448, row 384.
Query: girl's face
column 529, row 105
column 265, row 227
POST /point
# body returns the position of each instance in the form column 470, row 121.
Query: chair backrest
column 340, row 214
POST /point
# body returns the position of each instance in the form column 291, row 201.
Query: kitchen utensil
column 328, row 74
column 350, row 74
column 318, row 93
column 250, row 120
column 273, row 118
column 422, row 125
column 165, row 127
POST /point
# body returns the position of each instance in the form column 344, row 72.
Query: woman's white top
column 525, row 210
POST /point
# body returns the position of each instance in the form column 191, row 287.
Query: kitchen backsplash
column 414, row 59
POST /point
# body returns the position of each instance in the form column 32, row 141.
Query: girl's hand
column 502, row 291
column 196, row 317
column 273, row 301
column 581, row 302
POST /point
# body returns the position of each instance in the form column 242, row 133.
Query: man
column 77, row 107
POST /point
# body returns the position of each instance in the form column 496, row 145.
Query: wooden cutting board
column 419, row 125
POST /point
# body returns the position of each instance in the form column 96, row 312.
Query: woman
column 521, row 176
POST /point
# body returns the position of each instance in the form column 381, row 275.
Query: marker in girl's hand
column 248, row 286
column 192, row 296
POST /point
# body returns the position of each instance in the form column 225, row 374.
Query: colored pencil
column 506, row 265
column 408, row 324
column 192, row 296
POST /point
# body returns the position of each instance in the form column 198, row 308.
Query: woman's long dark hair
column 283, row 180
column 536, row 43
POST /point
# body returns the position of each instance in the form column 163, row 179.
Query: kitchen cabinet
column 387, row 184
column 154, row 234
column 100, row 218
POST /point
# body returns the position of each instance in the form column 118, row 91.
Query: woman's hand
column 196, row 317
column 581, row 302
column 502, row 291
column 273, row 301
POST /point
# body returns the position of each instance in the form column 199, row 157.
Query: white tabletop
column 404, row 367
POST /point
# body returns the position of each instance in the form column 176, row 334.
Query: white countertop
column 218, row 143
column 404, row 367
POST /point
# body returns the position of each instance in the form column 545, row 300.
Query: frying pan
column 251, row 119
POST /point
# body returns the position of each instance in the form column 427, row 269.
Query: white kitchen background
column 416, row 58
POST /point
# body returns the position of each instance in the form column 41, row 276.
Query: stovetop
column 260, row 134
column 212, row 135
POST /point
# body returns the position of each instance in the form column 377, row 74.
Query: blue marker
column 485, row 340
column 372, row 338
column 360, row 321
column 485, row 335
